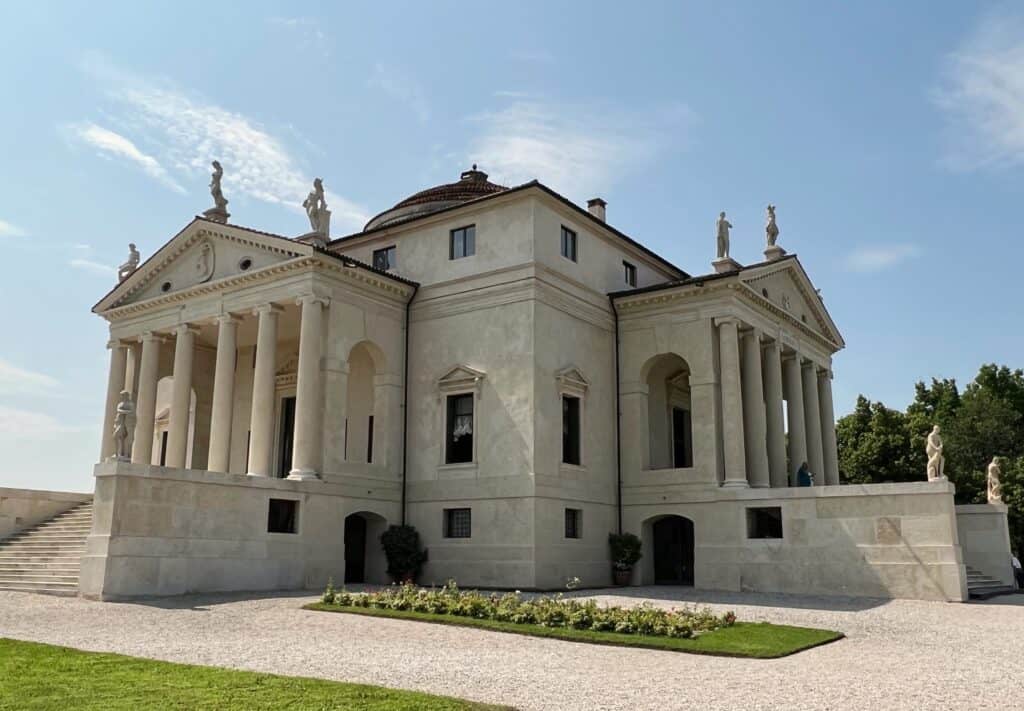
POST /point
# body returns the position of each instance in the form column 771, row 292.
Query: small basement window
column 283, row 516
column 764, row 522
column 458, row 523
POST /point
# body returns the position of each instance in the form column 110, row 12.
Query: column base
column 302, row 475
column 254, row 474
column 735, row 484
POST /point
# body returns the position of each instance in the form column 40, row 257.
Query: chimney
column 596, row 208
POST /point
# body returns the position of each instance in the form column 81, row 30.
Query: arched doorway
column 355, row 549
column 673, row 550
column 669, row 408
column 364, row 556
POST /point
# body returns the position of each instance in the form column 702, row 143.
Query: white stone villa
column 514, row 377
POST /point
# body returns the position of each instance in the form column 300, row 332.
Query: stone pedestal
column 217, row 214
column 774, row 253
column 315, row 239
column 726, row 264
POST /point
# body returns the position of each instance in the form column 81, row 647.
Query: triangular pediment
column 785, row 286
column 460, row 375
column 204, row 252
column 573, row 377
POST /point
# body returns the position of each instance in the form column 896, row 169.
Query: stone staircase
column 46, row 558
column 982, row 587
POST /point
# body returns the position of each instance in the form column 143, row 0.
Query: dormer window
column 385, row 259
column 462, row 242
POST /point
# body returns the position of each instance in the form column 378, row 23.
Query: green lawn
column 40, row 676
column 743, row 639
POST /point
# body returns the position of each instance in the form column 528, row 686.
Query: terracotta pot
column 622, row 577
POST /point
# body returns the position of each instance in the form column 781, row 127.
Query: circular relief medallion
column 204, row 262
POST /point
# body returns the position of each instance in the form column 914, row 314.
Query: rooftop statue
column 723, row 227
column 219, row 211
column 316, row 209
column 124, row 423
column 936, row 461
column 771, row 229
column 128, row 268
column 995, row 486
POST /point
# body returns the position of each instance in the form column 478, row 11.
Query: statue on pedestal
column 936, row 461
column 316, row 209
column 771, row 229
column 995, row 486
column 124, row 423
column 723, row 226
column 129, row 267
column 219, row 211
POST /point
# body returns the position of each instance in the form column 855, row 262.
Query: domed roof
column 471, row 185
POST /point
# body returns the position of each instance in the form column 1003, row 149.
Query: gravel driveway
column 898, row 654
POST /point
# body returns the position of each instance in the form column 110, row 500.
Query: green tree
column 874, row 444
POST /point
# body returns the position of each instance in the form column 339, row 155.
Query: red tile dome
column 471, row 185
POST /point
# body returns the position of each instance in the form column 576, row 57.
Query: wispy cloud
column 115, row 145
column 308, row 31
column 401, row 88
column 191, row 132
column 25, row 424
column 983, row 95
column 93, row 266
column 876, row 258
column 9, row 230
column 533, row 55
column 578, row 150
column 19, row 380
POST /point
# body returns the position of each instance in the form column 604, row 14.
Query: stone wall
column 878, row 540
column 24, row 508
column 160, row 531
column 985, row 539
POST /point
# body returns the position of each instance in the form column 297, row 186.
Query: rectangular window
column 573, row 519
column 458, row 523
column 570, row 430
column 163, row 448
column 568, row 243
column 682, row 438
column 369, row 442
column 385, row 259
column 764, row 522
column 630, row 273
column 459, row 435
column 283, row 516
column 462, row 242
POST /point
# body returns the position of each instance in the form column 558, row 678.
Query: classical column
column 223, row 393
column 732, row 404
column 307, row 452
column 131, row 371
column 775, row 429
column 115, row 383
column 181, row 396
column 812, row 416
column 754, row 411
column 828, row 428
column 261, row 427
column 145, row 404
column 792, row 387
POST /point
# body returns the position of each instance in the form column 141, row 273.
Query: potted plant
column 625, row 548
column 404, row 553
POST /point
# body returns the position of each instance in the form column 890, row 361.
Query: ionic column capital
column 267, row 309
column 186, row 328
column 227, row 318
column 117, row 343
column 151, row 337
column 727, row 321
column 308, row 299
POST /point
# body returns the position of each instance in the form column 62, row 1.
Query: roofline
column 691, row 280
column 521, row 188
column 348, row 261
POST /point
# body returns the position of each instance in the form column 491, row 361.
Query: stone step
column 47, row 536
column 38, row 578
column 41, row 588
column 39, row 558
column 39, row 567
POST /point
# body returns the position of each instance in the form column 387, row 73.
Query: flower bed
column 547, row 611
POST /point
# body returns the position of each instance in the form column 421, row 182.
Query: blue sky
column 889, row 135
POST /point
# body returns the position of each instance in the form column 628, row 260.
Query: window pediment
column 461, row 377
column 572, row 378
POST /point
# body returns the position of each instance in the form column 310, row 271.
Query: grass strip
column 42, row 677
column 757, row 640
